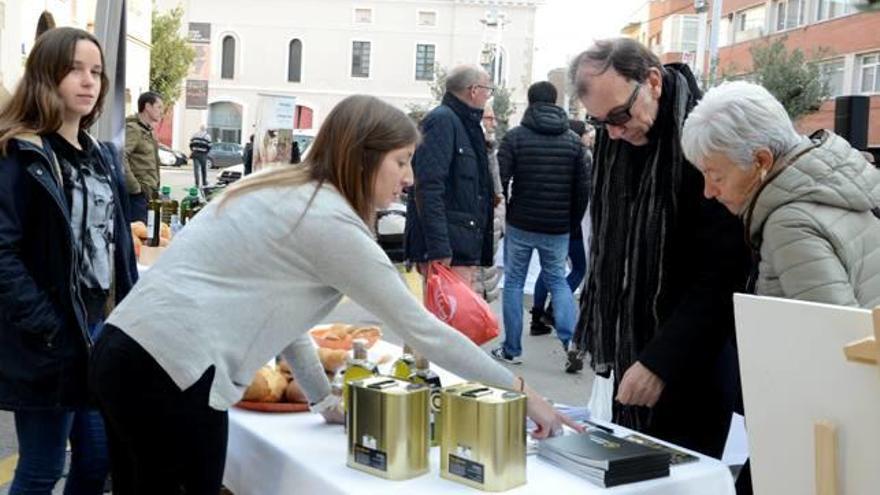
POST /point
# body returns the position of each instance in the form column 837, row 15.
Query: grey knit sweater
column 238, row 285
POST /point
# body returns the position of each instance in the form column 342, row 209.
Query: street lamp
column 494, row 20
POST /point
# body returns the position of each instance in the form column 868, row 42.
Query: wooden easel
column 865, row 351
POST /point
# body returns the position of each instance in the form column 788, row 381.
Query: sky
column 564, row 28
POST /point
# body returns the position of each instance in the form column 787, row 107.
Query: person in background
column 664, row 261
column 544, row 160
column 449, row 213
column 542, row 317
column 295, row 156
column 199, row 147
column 142, row 178
column 487, row 278
column 248, row 156
column 66, row 258
column 310, row 228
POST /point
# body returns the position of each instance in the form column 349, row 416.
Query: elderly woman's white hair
column 736, row 119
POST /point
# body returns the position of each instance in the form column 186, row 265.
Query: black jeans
column 162, row 439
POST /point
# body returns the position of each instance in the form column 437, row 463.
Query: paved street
column 542, row 367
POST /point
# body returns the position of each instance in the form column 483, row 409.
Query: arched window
column 227, row 64
column 294, row 61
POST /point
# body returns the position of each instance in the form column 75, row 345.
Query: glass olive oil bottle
column 405, row 365
column 424, row 374
column 359, row 367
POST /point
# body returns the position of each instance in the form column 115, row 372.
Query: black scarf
column 633, row 213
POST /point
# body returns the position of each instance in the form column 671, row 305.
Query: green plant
column 789, row 76
column 504, row 107
column 170, row 57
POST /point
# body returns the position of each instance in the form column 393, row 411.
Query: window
column 425, row 62
column 227, row 64
column 682, row 33
column 724, row 30
column 294, row 61
column 749, row 24
column 789, row 14
column 869, row 65
column 829, row 9
column 427, row 18
column 360, row 59
column 831, row 73
column 363, row 16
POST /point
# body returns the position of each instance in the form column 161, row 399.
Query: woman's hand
column 549, row 420
column 334, row 415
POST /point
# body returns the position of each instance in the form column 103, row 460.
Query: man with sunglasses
column 449, row 211
column 664, row 261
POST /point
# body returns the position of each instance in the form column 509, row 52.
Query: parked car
column 303, row 137
column 171, row 158
column 224, row 155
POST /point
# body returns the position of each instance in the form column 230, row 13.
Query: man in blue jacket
column 449, row 210
column 546, row 161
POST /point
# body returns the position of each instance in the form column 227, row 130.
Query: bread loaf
column 293, row 393
column 268, row 385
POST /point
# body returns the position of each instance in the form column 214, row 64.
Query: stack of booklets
column 604, row 459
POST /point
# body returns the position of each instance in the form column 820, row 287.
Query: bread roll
column 268, row 385
column 332, row 359
column 338, row 331
column 293, row 393
column 283, row 367
column 139, row 230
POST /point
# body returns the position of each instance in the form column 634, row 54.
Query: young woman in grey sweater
column 244, row 281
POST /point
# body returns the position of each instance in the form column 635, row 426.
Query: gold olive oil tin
column 388, row 425
column 483, row 437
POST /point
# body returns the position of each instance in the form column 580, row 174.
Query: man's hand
column 639, row 387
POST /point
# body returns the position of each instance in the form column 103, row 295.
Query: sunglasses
column 619, row 116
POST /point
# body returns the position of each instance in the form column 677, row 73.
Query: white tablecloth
column 297, row 453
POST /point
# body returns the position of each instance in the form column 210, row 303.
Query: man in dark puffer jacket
column 545, row 160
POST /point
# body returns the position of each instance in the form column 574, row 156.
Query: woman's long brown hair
column 347, row 152
column 36, row 106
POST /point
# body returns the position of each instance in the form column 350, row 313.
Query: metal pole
column 713, row 41
column 700, row 55
column 110, row 31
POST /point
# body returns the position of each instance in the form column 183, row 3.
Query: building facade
column 320, row 51
column 849, row 38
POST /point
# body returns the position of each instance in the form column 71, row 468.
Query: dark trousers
column 137, row 207
column 42, row 440
column 200, row 169
column 162, row 439
column 574, row 278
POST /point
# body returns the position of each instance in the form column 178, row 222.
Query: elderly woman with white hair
column 809, row 205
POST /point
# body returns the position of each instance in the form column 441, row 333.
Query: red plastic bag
column 453, row 301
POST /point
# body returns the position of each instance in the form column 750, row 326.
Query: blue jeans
column 578, row 269
column 42, row 442
column 552, row 253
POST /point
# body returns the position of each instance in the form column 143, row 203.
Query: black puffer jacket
column 548, row 165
